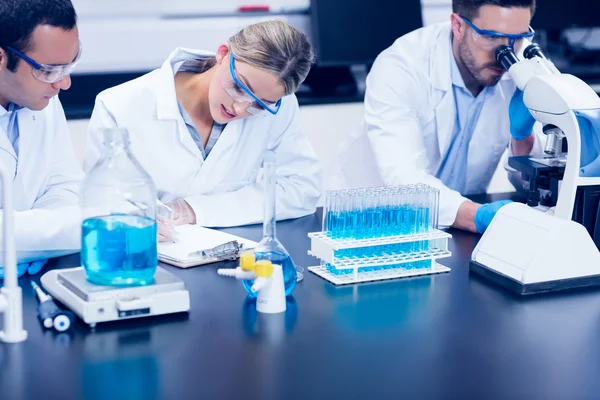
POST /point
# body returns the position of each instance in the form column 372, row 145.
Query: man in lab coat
column 39, row 47
column 437, row 110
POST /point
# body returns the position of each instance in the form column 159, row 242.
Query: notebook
column 191, row 238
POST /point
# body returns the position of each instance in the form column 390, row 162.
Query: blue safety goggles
column 46, row 72
column 490, row 40
column 241, row 94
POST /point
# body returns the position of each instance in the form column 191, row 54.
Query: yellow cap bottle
column 247, row 261
column 263, row 268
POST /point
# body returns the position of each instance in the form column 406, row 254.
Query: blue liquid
column 119, row 250
column 288, row 269
column 377, row 222
column 380, row 250
column 403, row 266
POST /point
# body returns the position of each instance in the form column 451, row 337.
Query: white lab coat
column 410, row 113
column 223, row 189
column 46, row 185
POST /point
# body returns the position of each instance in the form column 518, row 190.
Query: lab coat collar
column 12, row 107
column 441, row 78
column 443, row 57
column 455, row 75
column 166, row 101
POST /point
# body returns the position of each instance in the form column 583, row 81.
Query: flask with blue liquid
column 269, row 247
column 118, row 199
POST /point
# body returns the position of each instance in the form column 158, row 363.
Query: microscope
column 530, row 249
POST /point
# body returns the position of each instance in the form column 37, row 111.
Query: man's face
column 49, row 45
column 475, row 54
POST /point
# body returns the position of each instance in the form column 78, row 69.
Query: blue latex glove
column 31, row 268
column 521, row 120
column 485, row 214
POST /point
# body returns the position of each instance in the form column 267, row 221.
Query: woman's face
column 228, row 101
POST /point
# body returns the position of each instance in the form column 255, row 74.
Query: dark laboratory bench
column 450, row 336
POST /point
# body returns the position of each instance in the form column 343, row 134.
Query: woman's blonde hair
column 276, row 47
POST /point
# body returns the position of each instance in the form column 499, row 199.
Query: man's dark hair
column 18, row 19
column 470, row 8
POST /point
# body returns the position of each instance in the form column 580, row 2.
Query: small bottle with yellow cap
column 267, row 282
column 244, row 271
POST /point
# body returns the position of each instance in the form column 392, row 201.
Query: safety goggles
column 490, row 40
column 241, row 94
column 45, row 72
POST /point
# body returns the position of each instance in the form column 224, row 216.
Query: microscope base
column 529, row 251
column 533, row 288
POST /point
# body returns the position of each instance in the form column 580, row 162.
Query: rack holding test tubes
column 379, row 233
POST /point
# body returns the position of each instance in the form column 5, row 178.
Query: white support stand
column 383, row 266
column 11, row 297
column 271, row 292
column 528, row 251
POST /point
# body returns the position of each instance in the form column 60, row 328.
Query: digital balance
column 96, row 303
column 119, row 278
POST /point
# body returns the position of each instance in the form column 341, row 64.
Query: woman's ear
column 222, row 52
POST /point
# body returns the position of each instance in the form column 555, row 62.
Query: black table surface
column 449, row 336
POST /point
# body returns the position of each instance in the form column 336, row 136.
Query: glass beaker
column 118, row 200
column 269, row 247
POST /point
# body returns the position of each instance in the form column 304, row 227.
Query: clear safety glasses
column 241, row 94
column 490, row 40
column 48, row 73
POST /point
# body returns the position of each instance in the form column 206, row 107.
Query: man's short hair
column 18, row 19
column 470, row 8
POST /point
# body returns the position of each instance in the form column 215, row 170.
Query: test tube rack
column 393, row 265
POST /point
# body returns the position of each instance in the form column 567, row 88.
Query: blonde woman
column 201, row 123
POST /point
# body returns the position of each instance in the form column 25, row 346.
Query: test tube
column 327, row 213
column 423, row 208
column 386, row 211
column 363, row 215
column 413, row 201
column 397, row 215
column 338, row 215
column 350, row 211
column 435, row 212
column 346, row 213
column 369, row 214
column 378, row 208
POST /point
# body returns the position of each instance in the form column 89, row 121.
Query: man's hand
column 485, row 214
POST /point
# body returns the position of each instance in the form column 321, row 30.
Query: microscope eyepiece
column 534, row 50
column 506, row 56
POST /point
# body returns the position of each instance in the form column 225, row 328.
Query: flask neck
column 269, row 179
column 116, row 141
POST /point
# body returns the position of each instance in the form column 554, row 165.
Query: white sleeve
column 53, row 226
column 43, row 230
